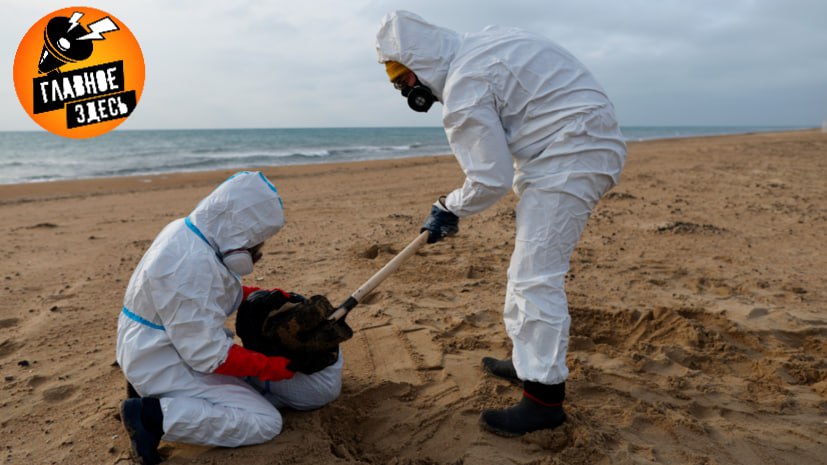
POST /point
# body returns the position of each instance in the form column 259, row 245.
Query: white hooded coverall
column 519, row 111
column 171, row 334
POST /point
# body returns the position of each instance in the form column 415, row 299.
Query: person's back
column 151, row 297
column 543, row 95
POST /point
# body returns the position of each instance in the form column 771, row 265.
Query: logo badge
column 79, row 72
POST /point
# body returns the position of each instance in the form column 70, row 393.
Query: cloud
column 311, row 64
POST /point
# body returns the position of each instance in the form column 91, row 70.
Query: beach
column 697, row 297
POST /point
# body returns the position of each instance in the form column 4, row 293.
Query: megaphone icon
column 61, row 44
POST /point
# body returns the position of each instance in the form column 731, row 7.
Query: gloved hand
column 440, row 222
column 247, row 290
column 294, row 298
column 253, row 312
column 275, row 369
column 243, row 362
column 311, row 362
column 271, row 298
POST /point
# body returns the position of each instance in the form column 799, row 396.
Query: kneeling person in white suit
column 195, row 385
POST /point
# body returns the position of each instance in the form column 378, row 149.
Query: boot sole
column 497, row 431
column 512, row 434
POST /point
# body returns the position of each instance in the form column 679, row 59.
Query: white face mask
column 239, row 262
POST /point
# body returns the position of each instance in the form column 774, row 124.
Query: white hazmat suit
column 519, row 111
column 171, row 333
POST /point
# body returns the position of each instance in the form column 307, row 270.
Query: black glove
column 273, row 298
column 253, row 312
column 311, row 362
column 294, row 298
column 440, row 223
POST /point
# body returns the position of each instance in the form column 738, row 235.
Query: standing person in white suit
column 519, row 112
column 189, row 381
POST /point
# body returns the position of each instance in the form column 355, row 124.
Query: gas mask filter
column 420, row 98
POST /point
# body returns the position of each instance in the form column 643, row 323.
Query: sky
column 259, row 64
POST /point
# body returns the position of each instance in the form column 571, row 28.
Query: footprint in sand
column 474, row 272
column 59, row 393
column 36, row 381
column 371, row 253
column 376, row 249
column 757, row 312
column 9, row 323
column 8, row 346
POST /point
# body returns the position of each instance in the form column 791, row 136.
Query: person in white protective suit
column 189, row 381
column 519, row 111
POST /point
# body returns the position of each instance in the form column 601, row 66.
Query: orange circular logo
column 79, row 72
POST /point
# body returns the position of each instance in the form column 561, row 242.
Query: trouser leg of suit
column 549, row 224
column 214, row 410
column 304, row 392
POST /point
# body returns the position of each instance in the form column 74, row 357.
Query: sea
column 40, row 156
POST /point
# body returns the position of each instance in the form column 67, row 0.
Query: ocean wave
column 30, row 156
column 223, row 153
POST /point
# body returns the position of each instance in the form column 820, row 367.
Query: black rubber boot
column 540, row 408
column 143, row 420
column 503, row 369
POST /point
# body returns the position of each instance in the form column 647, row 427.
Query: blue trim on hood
column 218, row 254
column 263, row 178
column 198, row 233
column 272, row 187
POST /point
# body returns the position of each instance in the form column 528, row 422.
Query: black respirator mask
column 420, row 98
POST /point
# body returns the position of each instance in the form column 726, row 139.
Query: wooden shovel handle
column 379, row 276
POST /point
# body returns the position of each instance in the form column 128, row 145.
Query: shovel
column 316, row 326
column 369, row 285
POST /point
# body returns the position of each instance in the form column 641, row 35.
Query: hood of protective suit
column 424, row 48
column 242, row 212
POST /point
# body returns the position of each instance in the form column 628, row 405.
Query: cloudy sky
column 252, row 64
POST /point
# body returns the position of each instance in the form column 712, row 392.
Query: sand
column 697, row 295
